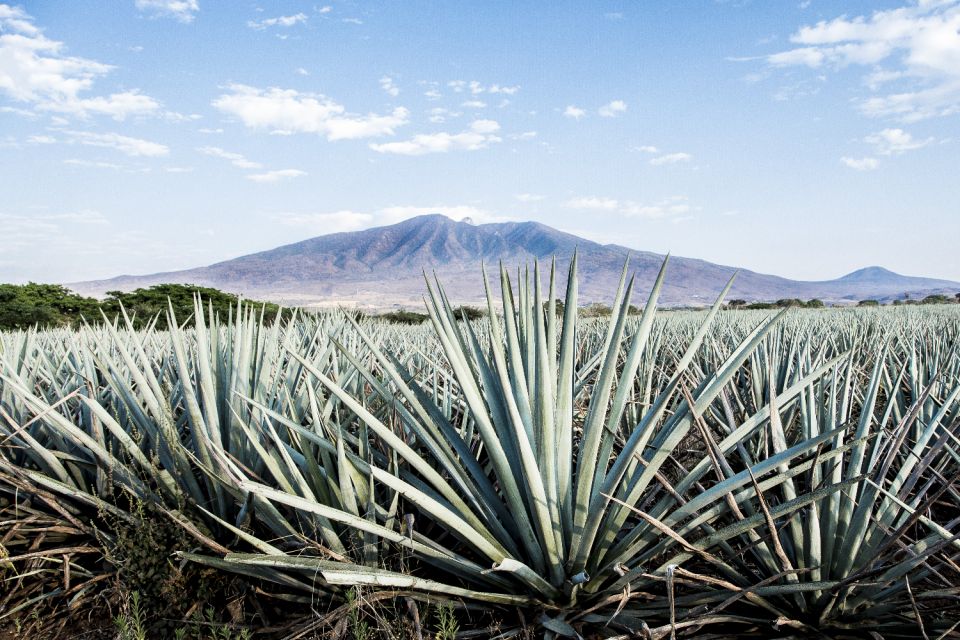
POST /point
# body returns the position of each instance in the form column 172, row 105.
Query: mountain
column 383, row 267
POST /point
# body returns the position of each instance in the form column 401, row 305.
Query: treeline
column 403, row 316
column 53, row 305
column 600, row 310
column 818, row 304
column 783, row 303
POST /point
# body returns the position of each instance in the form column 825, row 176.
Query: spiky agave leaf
column 507, row 494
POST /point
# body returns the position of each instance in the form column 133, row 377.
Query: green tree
column 596, row 310
column 145, row 304
column 404, row 317
column 45, row 305
column 472, row 313
column 789, row 302
column 50, row 305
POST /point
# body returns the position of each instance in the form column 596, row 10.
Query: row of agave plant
column 626, row 477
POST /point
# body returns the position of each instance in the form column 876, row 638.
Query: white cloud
column 526, row 135
column 15, row 19
column 529, row 197
column 593, row 202
column 799, row 89
column 387, row 84
column 84, row 216
column 480, row 135
column 182, row 10
column 861, row 164
column 916, row 46
column 324, row 223
column 806, row 56
column 301, row 71
column 671, row 158
column 173, row 116
column 439, row 114
column 135, row 147
column 286, row 111
column 20, row 112
column 22, row 231
column 118, row 106
column 325, row 9
column 475, row 87
column 574, row 112
column 30, row 232
column 646, row 148
column 93, row 164
column 34, row 71
column 613, row 109
column 876, row 79
column 235, row 159
column 895, row 141
column 349, row 220
column 352, row 21
column 473, row 104
column 666, row 208
column 279, row 21
column 272, row 177
column 432, row 94
column 485, row 126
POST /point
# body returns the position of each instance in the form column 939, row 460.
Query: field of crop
column 529, row 474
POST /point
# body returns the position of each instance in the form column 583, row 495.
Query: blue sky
column 804, row 138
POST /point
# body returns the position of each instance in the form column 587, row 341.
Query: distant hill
column 383, row 267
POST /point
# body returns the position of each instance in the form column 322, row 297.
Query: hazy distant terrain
column 383, row 267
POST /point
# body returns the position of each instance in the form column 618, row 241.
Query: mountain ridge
column 382, row 267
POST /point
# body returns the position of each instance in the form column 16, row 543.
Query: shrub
column 471, row 313
column 785, row 303
column 404, row 317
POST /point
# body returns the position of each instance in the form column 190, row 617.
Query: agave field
column 530, row 474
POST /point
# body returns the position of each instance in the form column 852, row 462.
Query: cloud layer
column 480, row 135
column 912, row 53
column 182, row 10
column 287, row 111
column 35, row 71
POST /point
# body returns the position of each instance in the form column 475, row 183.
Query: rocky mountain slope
column 383, row 267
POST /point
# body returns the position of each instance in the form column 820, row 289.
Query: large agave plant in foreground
column 530, row 485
